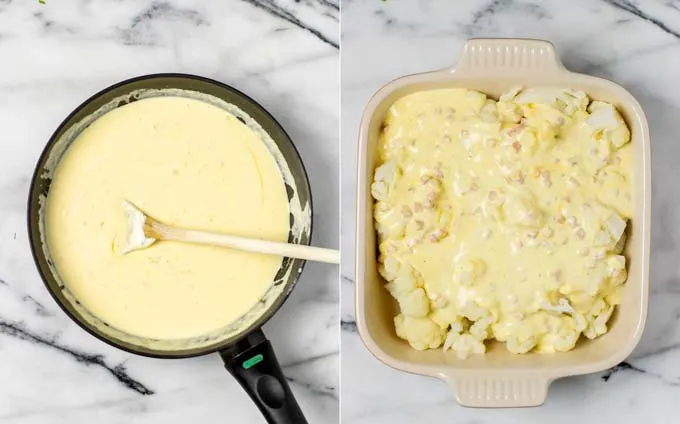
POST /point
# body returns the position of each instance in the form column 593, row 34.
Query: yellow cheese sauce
column 502, row 219
column 186, row 163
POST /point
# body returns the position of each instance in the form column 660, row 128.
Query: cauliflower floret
column 613, row 228
column 505, row 324
column 561, row 335
column 507, row 109
column 480, row 328
column 383, row 180
column 597, row 325
column 403, row 284
column 475, row 101
column 520, row 345
column 509, row 95
column 616, row 226
column 389, row 267
column 460, row 325
column 446, row 316
column 386, row 172
column 414, row 304
column 546, row 121
column 388, row 247
column 509, row 112
column 566, row 340
column 598, row 307
column 380, row 190
column 465, row 345
column 581, row 301
column 389, row 222
column 527, row 142
column 403, row 279
column 607, row 133
column 607, row 124
column 565, row 100
column 564, row 307
column 588, row 219
column 489, row 113
column 421, row 333
column 616, row 269
column 521, row 334
column 472, row 311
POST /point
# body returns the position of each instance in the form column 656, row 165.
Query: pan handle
column 253, row 363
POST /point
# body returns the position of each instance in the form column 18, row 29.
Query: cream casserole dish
column 499, row 378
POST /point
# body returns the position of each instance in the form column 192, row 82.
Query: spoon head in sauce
column 136, row 237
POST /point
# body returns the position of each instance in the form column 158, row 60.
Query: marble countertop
column 636, row 44
column 283, row 53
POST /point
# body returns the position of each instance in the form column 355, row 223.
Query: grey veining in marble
column 636, row 44
column 284, row 53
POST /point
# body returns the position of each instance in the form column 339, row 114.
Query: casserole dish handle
column 510, row 56
column 500, row 390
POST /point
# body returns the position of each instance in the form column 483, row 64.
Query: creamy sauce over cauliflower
column 502, row 219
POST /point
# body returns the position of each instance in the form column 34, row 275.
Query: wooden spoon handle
column 298, row 251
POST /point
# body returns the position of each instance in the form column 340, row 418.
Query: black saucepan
column 246, row 352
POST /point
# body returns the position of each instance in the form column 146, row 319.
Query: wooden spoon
column 144, row 230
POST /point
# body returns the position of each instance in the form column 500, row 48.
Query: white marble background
column 283, row 53
column 635, row 43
